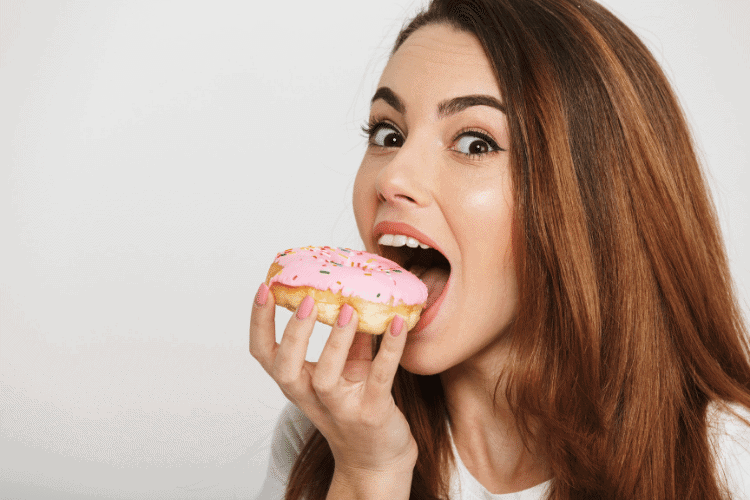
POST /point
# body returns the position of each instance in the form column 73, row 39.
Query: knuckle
column 294, row 338
column 260, row 359
column 380, row 376
column 348, row 412
column 285, row 379
column 335, row 343
column 349, row 419
column 370, row 418
column 262, row 355
column 282, row 376
column 287, row 395
column 322, row 386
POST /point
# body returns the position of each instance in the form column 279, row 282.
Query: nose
column 403, row 182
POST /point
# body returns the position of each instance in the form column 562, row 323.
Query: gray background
column 154, row 157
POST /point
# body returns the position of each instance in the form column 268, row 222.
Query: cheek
column 486, row 225
column 364, row 202
column 486, row 217
column 491, row 202
column 483, row 200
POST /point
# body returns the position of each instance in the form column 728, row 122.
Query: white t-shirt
column 730, row 436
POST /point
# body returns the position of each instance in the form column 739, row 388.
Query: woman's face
column 436, row 170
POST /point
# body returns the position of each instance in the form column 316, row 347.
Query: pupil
column 478, row 147
column 392, row 139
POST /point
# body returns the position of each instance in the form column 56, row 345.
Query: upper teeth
column 399, row 240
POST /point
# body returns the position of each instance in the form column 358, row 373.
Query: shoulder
column 292, row 430
column 729, row 434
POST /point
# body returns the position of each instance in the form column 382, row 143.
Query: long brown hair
column 627, row 326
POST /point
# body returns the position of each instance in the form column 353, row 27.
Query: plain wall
column 156, row 155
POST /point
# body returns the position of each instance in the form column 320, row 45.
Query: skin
column 464, row 203
column 448, row 177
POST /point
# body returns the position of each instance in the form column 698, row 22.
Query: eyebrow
column 389, row 97
column 445, row 108
column 458, row 104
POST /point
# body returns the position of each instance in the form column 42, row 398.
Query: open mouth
column 429, row 265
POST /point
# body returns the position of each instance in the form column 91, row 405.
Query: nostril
column 382, row 198
column 407, row 198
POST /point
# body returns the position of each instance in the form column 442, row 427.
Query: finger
column 385, row 364
column 361, row 347
column 263, row 328
column 357, row 367
column 290, row 356
column 335, row 353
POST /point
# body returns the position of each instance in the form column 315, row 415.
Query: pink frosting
column 351, row 273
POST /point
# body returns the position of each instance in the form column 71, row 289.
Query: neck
column 485, row 432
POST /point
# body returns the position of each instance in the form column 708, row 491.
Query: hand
column 347, row 393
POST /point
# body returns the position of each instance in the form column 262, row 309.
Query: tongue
column 435, row 278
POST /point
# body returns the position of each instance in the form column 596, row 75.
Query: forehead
column 440, row 57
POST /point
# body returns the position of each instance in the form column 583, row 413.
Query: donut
column 377, row 288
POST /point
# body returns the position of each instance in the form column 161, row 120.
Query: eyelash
column 372, row 126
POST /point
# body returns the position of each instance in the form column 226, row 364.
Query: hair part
column 627, row 326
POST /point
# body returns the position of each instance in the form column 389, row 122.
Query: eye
column 385, row 135
column 475, row 143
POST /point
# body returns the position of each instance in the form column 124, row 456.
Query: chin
column 418, row 360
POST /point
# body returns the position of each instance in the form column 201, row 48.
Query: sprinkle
column 294, row 278
column 325, row 272
column 368, row 274
column 378, row 295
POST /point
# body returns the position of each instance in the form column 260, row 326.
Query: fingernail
column 305, row 308
column 262, row 296
column 345, row 315
column 396, row 325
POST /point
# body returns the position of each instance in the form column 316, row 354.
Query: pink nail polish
column 305, row 308
column 262, row 296
column 345, row 316
column 396, row 325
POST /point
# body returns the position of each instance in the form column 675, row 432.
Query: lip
column 391, row 227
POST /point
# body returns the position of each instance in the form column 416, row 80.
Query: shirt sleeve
column 731, row 439
column 292, row 431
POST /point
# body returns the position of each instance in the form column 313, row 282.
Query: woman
column 586, row 342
